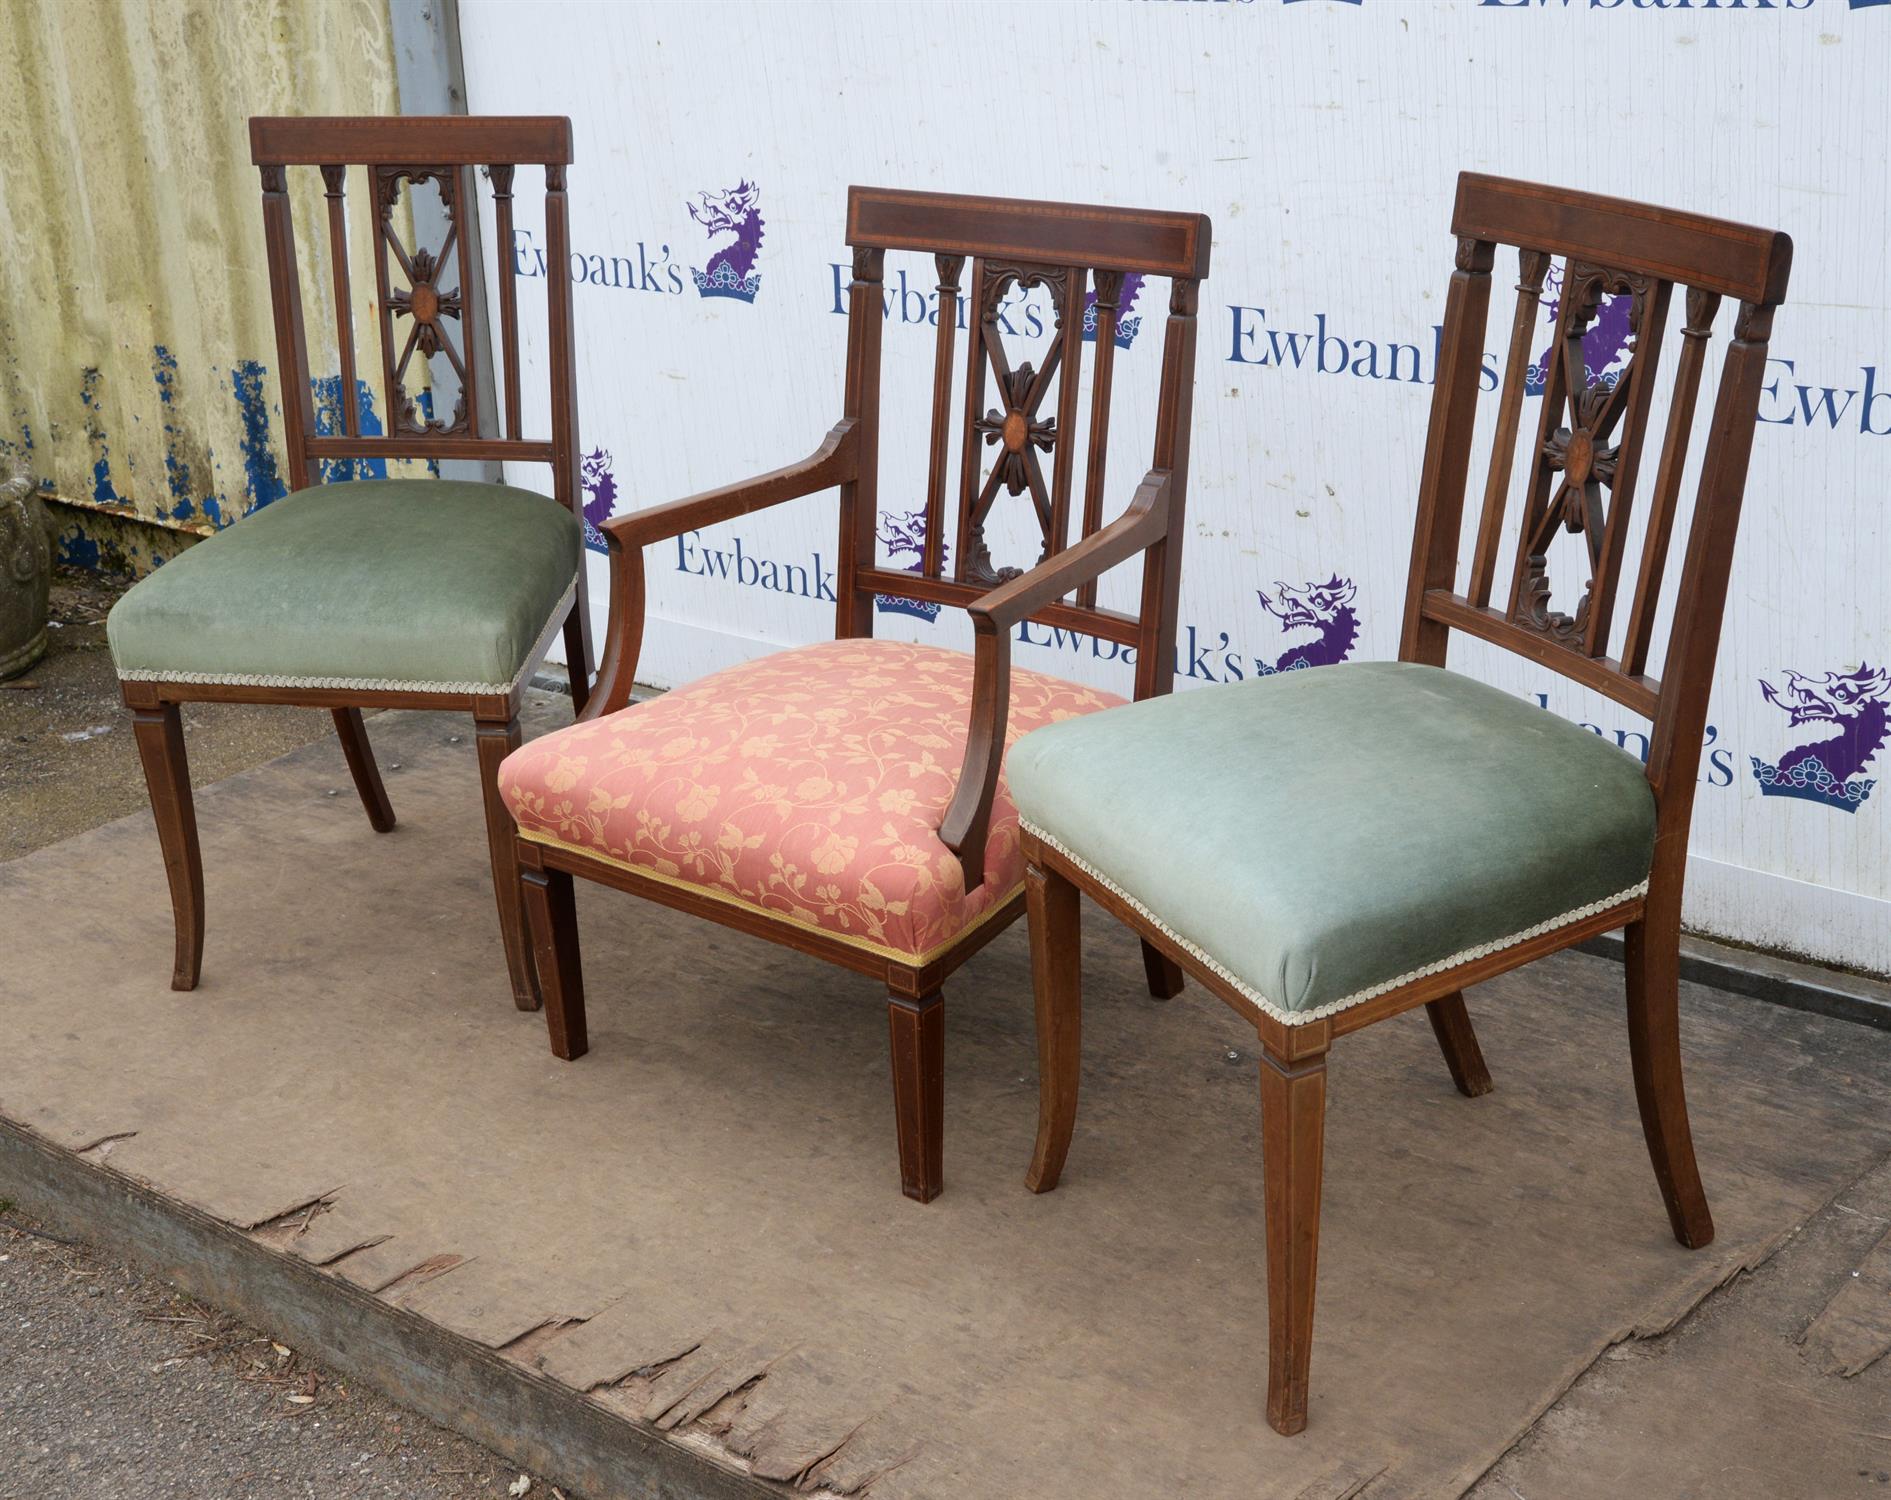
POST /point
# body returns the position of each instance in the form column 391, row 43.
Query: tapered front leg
column 498, row 739
column 552, row 916
column 1652, row 954
column 1057, row 980
column 916, row 1026
column 1293, row 1134
column 1163, row 973
column 160, row 736
column 353, row 733
column 1451, row 1024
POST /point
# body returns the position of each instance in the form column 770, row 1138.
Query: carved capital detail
column 1754, row 324
column 1475, row 256
column 1532, row 265
column 1701, row 308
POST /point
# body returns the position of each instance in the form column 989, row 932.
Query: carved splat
column 1019, row 429
column 1577, row 460
column 423, row 302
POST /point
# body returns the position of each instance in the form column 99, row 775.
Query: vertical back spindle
column 974, row 401
column 464, row 202
column 1070, row 368
column 1652, row 306
column 334, row 180
column 1531, row 265
column 508, row 291
column 1109, row 304
column 1701, row 307
column 933, row 555
column 386, row 190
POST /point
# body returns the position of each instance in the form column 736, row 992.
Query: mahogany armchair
column 380, row 593
column 847, row 799
column 1445, row 832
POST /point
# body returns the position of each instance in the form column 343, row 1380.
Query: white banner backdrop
column 714, row 150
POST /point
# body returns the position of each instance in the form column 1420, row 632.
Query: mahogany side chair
column 380, row 593
column 847, row 799
column 1444, row 831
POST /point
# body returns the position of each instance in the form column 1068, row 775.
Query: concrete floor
column 113, row 1384
column 1738, row 1400
column 1104, row 1340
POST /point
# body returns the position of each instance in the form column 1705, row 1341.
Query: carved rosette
column 1017, row 429
column 1583, row 453
column 423, row 303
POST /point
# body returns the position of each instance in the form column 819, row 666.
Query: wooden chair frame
column 445, row 150
column 1054, row 245
column 1610, row 246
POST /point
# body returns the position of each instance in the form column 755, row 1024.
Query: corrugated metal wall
column 137, row 355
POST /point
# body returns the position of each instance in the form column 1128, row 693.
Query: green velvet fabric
column 1323, row 833
column 413, row 581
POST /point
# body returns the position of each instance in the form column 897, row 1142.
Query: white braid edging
column 364, row 684
column 1359, row 997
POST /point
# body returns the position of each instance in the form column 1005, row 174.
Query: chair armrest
column 1141, row 526
column 834, row 462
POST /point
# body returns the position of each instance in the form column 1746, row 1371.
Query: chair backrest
column 1084, row 258
column 421, row 290
column 1590, row 436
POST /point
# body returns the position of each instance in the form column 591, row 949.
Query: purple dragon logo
column 905, row 536
column 1604, row 346
column 1324, row 608
column 600, row 496
column 1828, row 770
column 1128, row 321
column 731, row 271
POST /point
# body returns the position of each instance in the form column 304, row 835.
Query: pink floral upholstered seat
column 809, row 784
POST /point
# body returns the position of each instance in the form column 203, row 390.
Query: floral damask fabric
column 809, row 784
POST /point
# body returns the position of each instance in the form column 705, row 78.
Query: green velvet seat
column 1320, row 836
column 420, row 585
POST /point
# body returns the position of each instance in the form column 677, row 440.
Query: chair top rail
column 1737, row 260
column 437, row 140
column 1152, row 242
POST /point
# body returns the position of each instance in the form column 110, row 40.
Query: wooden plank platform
column 682, row 1265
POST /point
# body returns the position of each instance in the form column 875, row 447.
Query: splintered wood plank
column 1854, row 1330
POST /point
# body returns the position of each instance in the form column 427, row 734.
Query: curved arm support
column 1144, row 523
column 833, row 463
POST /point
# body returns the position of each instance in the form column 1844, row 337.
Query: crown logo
column 1318, row 624
column 905, row 536
column 731, row 270
column 1830, row 769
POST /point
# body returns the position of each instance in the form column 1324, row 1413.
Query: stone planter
column 26, row 565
